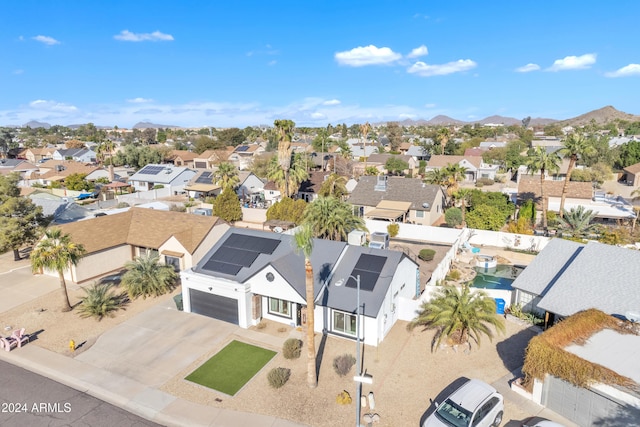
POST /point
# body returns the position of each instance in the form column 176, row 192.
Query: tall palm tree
column 304, row 243
column 541, row 161
column 56, row 251
column 289, row 182
column 575, row 146
column 284, row 129
column 335, row 185
column 578, row 221
column 442, row 137
column 331, row 218
column 460, row 315
column 364, row 129
column 226, row 175
column 462, row 195
column 145, row 277
column 456, row 174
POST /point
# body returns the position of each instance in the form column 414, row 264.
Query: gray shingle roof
column 601, row 276
column 398, row 190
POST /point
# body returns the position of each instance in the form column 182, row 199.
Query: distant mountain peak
column 149, row 125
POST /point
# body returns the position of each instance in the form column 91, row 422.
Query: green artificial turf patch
column 230, row 369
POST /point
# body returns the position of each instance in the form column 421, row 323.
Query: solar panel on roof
column 368, row 268
column 222, row 267
column 252, row 243
column 235, row 256
column 152, row 170
column 372, row 263
column 205, row 178
column 242, row 148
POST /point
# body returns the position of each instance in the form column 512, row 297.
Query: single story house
column 35, row 155
column 380, row 160
column 81, row 155
column 632, row 175
column 201, row 185
column 474, row 166
column 309, row 189
column 249, row 185
column 59, row 170
column 249, row 275
column 180, row 239
column 242, row 156
column 567, row 277
column 209, row 158
column 398, row 199
column 183, row 158
column 153, row 175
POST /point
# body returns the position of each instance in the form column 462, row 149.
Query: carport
column 389, row 210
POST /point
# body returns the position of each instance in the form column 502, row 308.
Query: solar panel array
column 368, row 268
column 242, row 148
column 152, row 170
column 205, row 178
column 238, row 251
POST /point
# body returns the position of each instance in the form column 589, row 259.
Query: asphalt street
column 30, row 400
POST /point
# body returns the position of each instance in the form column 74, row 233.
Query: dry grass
column 546, row 353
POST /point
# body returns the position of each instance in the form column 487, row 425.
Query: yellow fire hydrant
column 72, row 345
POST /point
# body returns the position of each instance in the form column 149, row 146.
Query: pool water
column 499, row 277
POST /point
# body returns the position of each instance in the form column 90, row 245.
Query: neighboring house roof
column 529, row 188
column 596, row 275
column 15, row 165
column 185, row 155
column 398, row 189
column 271, row 185
column 382, row 158
column 202, row 181
column 60, row 169
column 416, row 151
column 475, row 151
column 633, row 169
column 147, row 228
column 493, row 144
column 161, row 174
column 314, row 183
column 440, row 161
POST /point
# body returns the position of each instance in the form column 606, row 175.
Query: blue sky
column 240, row 63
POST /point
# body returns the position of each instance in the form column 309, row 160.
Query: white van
column 475, row 404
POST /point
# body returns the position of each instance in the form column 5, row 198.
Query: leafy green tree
column 231, row 136
column 57, row 252
column 76, row 182
column 99, row 301
column 203, row 143
column 335, row 185
column 6, row 141
column 146, row 276
column 453, row 217
column 553, row 129
column 149, row 136
column 575, row 147
column 527, row 211
column 577, row 221
column 485, row 217
column 227, row 206
column 226, row 175
column 287, row 209
column 395, row 165
column 260, row 165
column 459, row 315
column 371, row 171
column 332, row 219
column 629, row 154
column 541, row 161
column 394, row 133
column 304, row 244
column 21, row 221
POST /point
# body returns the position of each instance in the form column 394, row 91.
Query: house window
column 344, row 323
column 174, row 261
column 280, row 307
column 419, row 214
column 485, row 175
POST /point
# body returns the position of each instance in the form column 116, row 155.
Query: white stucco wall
column 99, row 264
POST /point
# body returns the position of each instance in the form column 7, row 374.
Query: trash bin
column 499, row 306
column 178, row 300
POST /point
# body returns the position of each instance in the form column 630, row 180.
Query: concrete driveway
column 18, row 285
column 157, row 344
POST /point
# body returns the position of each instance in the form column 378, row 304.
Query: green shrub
column 122, row 205
column 485, row 181
column 393, row 229
column 455, row 274
column 292, row 348
column 157, row 187
column 278, row 377
column 426, row 254
column 343, row 364
column 99, row 301
column 177, row 208
column 453, row 217
column 479, row 185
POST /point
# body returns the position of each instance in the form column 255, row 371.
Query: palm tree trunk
column 544, row 201
column 565, row 187
column 312, row 379
column 16, row 255
column 464, row 211
column 66, row 305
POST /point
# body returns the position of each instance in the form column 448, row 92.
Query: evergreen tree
column 227, row 206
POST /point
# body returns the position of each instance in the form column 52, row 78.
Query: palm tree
column 56, row 251
column 447, row 178
column 284, row 128
column 99, row 301
column 459, row 315
column 364, row 129
column 541, row 161
column 289, row 182
column 331, row 218
column 335, row 185
column 463, row 196
column 456, row 174
column 442, row 137
column 575, row 146
column 226, row 176
column 145, row 277
column 304, row 243
column 578, row 221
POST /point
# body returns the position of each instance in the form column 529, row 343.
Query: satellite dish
column 426, row 205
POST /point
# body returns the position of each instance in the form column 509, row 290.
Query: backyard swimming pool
column 499, row 277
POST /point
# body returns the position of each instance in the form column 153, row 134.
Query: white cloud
column 49, row 41
column 368, row 55
column 429, row 105
column 128, row 36
column 528, row 68
column 418, row 52
column 573, row 62
column 43, row 105
column 139, row 100
column 426, row 70
column 331, row 102
column 627, row 70
column 318, row 116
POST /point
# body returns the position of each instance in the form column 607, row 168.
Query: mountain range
column 601, row 116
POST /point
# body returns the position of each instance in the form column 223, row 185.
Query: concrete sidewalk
column 131, row 395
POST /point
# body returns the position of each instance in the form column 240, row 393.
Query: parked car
column 474, row 404
column 540, row 422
